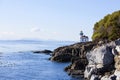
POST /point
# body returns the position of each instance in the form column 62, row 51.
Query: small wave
column 7, row 64
column 13, row 63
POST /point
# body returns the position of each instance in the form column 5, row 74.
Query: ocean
column 17, row 62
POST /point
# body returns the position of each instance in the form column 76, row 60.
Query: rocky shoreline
column 91, row 60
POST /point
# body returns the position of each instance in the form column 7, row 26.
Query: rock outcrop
column 43, row 51
column 104, row 62
column 75, row 53
column 99, row 60
column 66, row 53
column 91, row 60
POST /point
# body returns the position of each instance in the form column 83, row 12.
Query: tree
column 108, row 27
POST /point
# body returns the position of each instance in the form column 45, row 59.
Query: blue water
column 17, row 62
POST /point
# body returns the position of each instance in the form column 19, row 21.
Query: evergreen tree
column 108, row 27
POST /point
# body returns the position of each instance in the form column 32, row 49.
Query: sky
column 52, row 19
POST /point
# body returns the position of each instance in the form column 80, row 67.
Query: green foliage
column 108, row 27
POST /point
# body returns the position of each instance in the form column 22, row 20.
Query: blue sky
column 52, row 19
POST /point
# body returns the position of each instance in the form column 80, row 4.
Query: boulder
column 99, row 60
column 100, row 56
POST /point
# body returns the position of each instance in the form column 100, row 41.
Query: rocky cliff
column 91, row 60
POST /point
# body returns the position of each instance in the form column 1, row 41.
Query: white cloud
column 35, row 29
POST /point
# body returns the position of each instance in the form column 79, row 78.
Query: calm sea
column 17, row 62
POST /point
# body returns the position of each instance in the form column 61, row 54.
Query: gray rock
column 100, row 56
column 99, row 59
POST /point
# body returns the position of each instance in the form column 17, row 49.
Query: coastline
column 90, row 60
